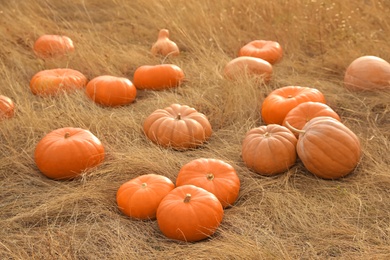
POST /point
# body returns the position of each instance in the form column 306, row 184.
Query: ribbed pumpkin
column 250, row 66
column 67, row 152
column 189, row 213
column 304, row 112
column 164, row 46
column 158, row 77
column 270, row 51
column 368, row 73
column 213, row 175
column 139, row 197
column 280, row 101
column 177, row 126
column 7, row 107
column 111, row 91
column 55, row 81
column 52, row 46
column 269, row 149
column 328, row 148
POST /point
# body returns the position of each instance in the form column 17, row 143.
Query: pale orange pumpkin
column 52, row 46
column 270, row 51
column 164, row 46
column 368, row 73
column 269, row 149
column 249, row 66
column 158, row 77
column 177, row 126
column 7, row 107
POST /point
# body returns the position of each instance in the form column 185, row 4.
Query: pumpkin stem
column 144, row 185
column 294, row 129
column 210, row 176
column 178, row 117
column 187, row 198
column 67, row 135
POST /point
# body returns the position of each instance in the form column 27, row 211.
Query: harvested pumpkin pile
column 194, row 130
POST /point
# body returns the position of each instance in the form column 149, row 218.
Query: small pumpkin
column 269, row 149
column 328, row 148
column 55, row 81
column 270, row 51
column 213, row 175
column 111, row 91
column 367, row 73
column 52, row 46
column 280, row 101
column 164, row 46
column 66, row 153
column 304, row 112
column 158, row 77
column 241, row 66
column 189, row 213
column 139, row 197
column 7, row 107
column 177, row 126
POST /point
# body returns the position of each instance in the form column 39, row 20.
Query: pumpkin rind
column 189, row 213
column 164, row 46
column 304, row 112
column 158, row 77
column 55, row 81
column 139, row 197
column 111, row 91
column 7, row 107
column 213, row 175
column 67, row 152
column 49, row 46
column 241, row 66
column 280, row 101
column 270, row 51
column 177, row 126
column 367, row 73
column 328, row 148
column 269, row 149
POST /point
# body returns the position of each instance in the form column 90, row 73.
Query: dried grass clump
column 290, row 216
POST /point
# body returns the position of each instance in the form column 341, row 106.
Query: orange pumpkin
column 111, row 91
column 50, row 46
column 55, row 81
column 158, row 77
column 280, row 101
column 139, row 198
column 328, row 148
column 189, row 213
column 7, row 107
column 164, row 46
column 213, row 175
column 269, row 149
column 304, row 112
column 368, row 73
column 241, row 66
column 177, row 126
column 270, row 51
column 67, row 152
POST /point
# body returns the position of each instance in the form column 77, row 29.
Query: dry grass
column 290, row 216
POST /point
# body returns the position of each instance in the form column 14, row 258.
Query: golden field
column 293, row 215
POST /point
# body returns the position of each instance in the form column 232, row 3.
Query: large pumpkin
column 164, row 46
column 7, row 107
column 55, row 81
column 270, row 51
column 139, row 197
column 242, row 66
column 304, row 112
column 158, row 77
column 269, row 149
column 111, row 91
column 189, row 213
column 67, row 152
column 51, row 46
column 177, row 126
column 213, row 175
column 280, row 101
column 368, row 73
column 328, row 148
